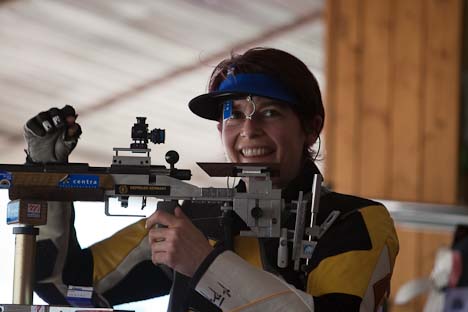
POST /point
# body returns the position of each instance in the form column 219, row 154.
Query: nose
column 251, row 128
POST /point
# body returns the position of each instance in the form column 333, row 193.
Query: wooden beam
column 441, row 94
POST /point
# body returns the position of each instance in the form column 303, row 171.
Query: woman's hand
column 180, row 246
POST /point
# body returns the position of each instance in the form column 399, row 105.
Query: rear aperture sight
column 141, row 135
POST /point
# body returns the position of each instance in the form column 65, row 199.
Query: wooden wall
column 392, row 104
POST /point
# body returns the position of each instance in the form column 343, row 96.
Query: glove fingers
column 73, row 129
column 52, row 135
column 67, row 143
column 57, row 117
column 73, row 132
column 46, row 122
column 40, row 124
column 68, row 111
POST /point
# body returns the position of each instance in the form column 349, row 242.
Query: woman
column 269, row 110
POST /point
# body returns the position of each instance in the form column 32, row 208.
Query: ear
column 312, row 132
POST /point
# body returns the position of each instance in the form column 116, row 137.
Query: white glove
column 52, row 135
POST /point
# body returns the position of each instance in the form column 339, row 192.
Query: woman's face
column 273, row 134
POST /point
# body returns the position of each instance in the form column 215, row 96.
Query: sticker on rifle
column 34, row 210
column 5, row 179
column 13, row 212
column 125, row 189
column 80, row 296
column 79, row 181
column 38, row 308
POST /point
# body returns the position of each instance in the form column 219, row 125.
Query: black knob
column 172, row 157
column 256, row 212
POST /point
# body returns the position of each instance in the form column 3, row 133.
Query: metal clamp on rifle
column 303, row 249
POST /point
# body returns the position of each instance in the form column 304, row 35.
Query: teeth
column 255, row 152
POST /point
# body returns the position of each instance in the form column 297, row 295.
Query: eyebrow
column 272, row 103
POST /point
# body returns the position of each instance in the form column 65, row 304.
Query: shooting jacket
column 350, row 269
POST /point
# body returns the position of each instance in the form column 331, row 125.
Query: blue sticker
column 227, row 109
column 308, row 251
column 79, row 296
column 6, row 179
column 13, row 212
column 79, row 181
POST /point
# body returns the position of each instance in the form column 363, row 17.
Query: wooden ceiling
column 115, row 60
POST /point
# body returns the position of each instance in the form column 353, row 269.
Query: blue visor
column 209, row 105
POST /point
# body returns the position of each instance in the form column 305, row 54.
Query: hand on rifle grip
column 166, row 206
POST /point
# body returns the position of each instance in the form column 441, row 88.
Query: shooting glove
column 52, row 135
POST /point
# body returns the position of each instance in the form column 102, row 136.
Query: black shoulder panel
column 144, row 281
column 346, row 204
column 46, row 256
column 50, row 294
column 348, row 233
column 78, row 269
column 337, row 303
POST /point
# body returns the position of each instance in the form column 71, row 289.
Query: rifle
column 131, row 174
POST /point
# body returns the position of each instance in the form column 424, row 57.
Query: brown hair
column 286, row 68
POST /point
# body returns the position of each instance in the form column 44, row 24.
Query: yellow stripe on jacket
column 248, row 248
column 109, row 253
column 356, row 267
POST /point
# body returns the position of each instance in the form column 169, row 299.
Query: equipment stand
column 25, row 255
column 25, row 215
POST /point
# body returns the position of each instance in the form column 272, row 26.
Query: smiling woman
column 268, row 108
column 272, row 133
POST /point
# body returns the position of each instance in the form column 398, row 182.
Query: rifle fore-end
column 260, row 207
column 45, row 186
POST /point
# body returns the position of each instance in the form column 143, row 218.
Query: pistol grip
column 167, row 206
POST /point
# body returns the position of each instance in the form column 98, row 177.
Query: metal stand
column 26, row 214
column 25, row 255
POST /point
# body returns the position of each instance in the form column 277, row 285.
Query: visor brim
column 209, row 105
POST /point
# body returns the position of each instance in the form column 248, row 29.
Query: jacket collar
column 302, row 182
